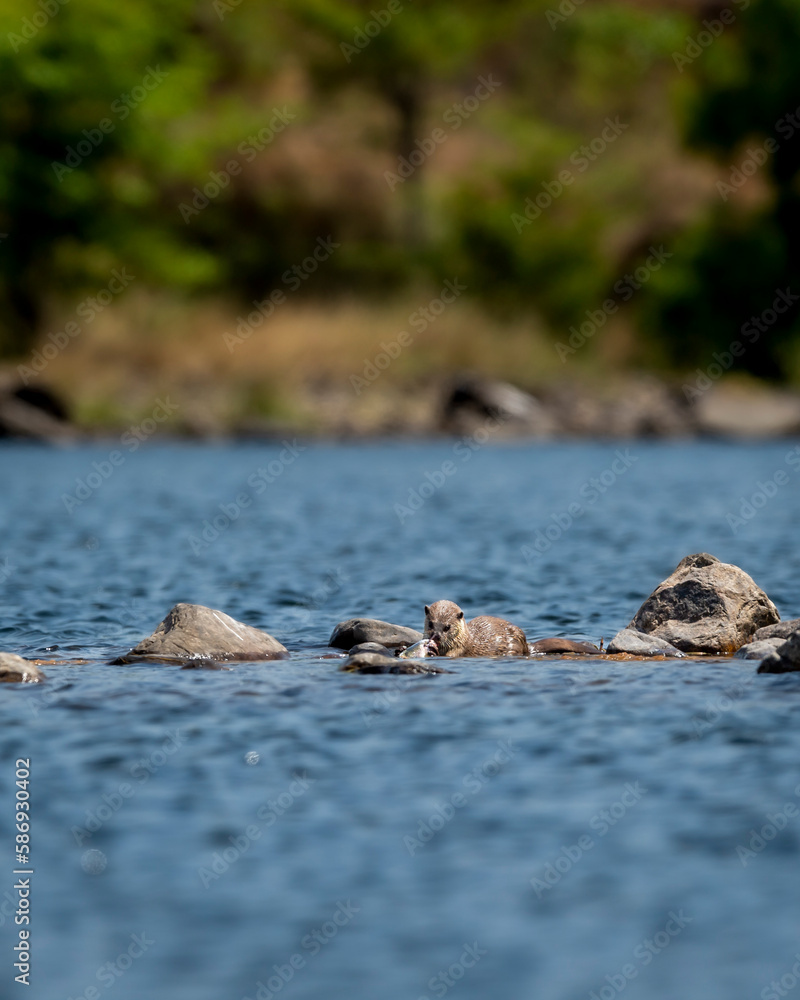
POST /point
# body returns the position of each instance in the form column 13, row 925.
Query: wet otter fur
column 483, row 636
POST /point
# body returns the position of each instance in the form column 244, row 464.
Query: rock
column 781, row 630
column 357, row 630
column 374, row 663
column 370, row 647
column 746, row 408
column 758, row 649
column 472, row 399
column 191, row 631
column 15, row 670
column 562, row 646
column 785, row 659
column 705, row 606
column 640, row 644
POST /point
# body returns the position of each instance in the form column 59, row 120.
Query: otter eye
column 446, row 628
column 460, row 614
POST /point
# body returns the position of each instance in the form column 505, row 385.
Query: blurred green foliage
column 206, row 144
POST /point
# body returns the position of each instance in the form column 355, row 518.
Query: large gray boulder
column 639, row 644
column 15, row 670
column 357, row 630
column 192, row 631
column 705, row 606
column 785, row 659
column 781, row 630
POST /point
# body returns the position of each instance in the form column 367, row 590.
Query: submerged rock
column 781, row 630
column 192, row 631
column 758, row 649
column 785, row 659
column 355, row 631
column 370, row 647
column 374, row 663
column 705, row 606
column 15, row 670
column 563, row 646
column 640, row 644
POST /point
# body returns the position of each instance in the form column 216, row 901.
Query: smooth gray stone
column 706, row 606
column 354, row 631
column 785, row 659
column 640, row 644
column 758, row 649
column 192, row 631
column 374, row 663
column 781, row 630
column 370, row 647
column 15, row 670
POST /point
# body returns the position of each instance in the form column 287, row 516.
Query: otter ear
column 460, row 614
column 427, row 610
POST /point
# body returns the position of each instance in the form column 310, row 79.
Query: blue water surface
column 513, row 829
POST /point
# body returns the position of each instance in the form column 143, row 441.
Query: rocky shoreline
column 704, row 608
column 627, row 406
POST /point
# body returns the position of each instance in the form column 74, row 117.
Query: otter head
column 445, row 626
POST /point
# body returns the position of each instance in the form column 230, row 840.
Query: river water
column 513, row 829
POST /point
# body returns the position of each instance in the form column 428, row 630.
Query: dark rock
column 785, row 659
column 355, row 631
column 191, row 631
column 705, row 606
column 781, row 630
column 15, row 670
column 370, row 647
column 374, row 663
column 473, row 399
column 562, row 646
column 758, row 649
column 640, row 644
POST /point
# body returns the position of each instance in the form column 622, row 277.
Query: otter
column 483, row 636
